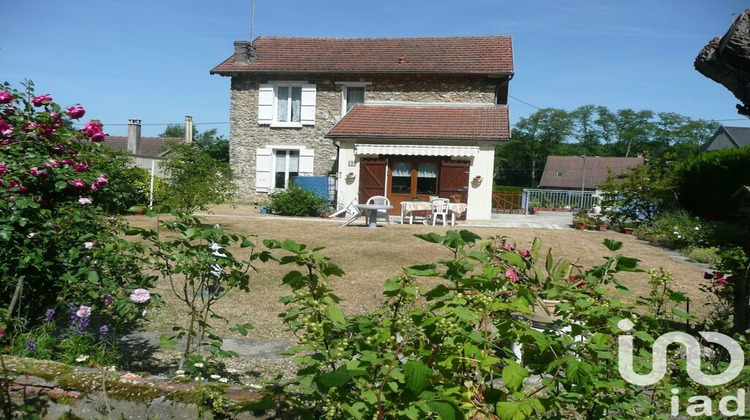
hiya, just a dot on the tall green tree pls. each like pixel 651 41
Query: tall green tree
pixel 585 130
pixel 537 136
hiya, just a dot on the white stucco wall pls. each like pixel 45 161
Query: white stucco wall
pixel 479 200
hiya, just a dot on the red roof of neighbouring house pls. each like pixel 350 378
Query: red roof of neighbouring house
pixel 424 122
pixel 491 55
pixel 149 146
pixel 566 172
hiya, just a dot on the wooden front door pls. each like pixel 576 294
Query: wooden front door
pixel 372 178
pixel 454 178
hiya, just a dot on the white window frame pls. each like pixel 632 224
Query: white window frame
pixel 265 165
pixel 345 86
pixel 268 103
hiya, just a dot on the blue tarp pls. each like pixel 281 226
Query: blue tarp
pixel 316 184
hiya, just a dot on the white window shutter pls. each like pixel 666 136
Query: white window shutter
pixel 306 161
pixel 307 115
pixel 263 166
pixel 265 104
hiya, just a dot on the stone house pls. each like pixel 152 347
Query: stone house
pixel 408 118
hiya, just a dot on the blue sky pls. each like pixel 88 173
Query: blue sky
pixel 150 60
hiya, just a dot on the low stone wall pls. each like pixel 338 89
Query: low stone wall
pixel 57 390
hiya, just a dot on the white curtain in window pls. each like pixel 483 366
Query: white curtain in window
pixel 296 103
pixel 283 103
pixel 427 170
pixel 293 161
pixel 402 169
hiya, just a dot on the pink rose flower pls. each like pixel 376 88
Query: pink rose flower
pixel 509 247
pixel 83 312
pixel 525 253
pixel 140 296
pixel 81 167
pixel 84 201
pixel 41 100
pixel 5 128
pixel 99 183
pixel 511 275
pixel 51 163
pixel 5 97
pixel 94 131
pixel 35 172
pixel 107 300
pixel 76 112
pixel 78 184
pixel 3 169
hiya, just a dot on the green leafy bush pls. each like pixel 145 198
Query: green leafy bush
pixel 708 255
pixel 676 230
pixel 706 183
pixel 451 351
pixel 195 179
pixel 297 201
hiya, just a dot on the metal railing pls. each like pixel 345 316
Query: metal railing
pixel 574 200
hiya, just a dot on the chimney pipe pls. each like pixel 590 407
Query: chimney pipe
pixel 188 129
pixel 134 136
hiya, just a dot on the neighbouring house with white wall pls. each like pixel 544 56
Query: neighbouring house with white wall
pixel 407 118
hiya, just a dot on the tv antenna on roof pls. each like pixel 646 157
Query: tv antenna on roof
pixel 252 19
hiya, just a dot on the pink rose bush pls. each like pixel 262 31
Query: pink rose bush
pixel 54 234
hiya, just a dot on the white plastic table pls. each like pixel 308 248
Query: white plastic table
pixel 407 207
pixel 372 212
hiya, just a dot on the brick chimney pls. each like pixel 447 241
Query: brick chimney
pixel 134 136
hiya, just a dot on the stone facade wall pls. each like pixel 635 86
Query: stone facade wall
pixel 246 135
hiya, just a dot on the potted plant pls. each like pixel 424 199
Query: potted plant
pixel 477 181
pixel 350 176
pixel 581 220
pixel 599 221
pixel 455 198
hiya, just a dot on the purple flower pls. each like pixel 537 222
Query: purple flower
pixel 49 315
pixel 107 300
pixel 3 169
pixel 41 100
pixel 30 345
pixel 5 97
pixel 76 112
pixel 140 296
pixel 103 330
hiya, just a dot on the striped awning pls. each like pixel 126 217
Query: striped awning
pixel 415 150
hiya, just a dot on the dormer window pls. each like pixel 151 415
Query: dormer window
pixel 352 94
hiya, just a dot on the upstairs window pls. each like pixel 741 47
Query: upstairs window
pixel 352 94
pixel 286 104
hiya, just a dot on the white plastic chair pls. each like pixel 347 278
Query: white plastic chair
pixel 379 199
pixel 350 209
pixel 439 209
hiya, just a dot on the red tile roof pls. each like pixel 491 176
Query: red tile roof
pixel 424 122
pixel 150 146
pixel 454 55
pixel 570 170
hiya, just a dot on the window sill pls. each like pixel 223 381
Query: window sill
pixel 286 125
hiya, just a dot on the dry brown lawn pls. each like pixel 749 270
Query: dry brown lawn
pixel 370 256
